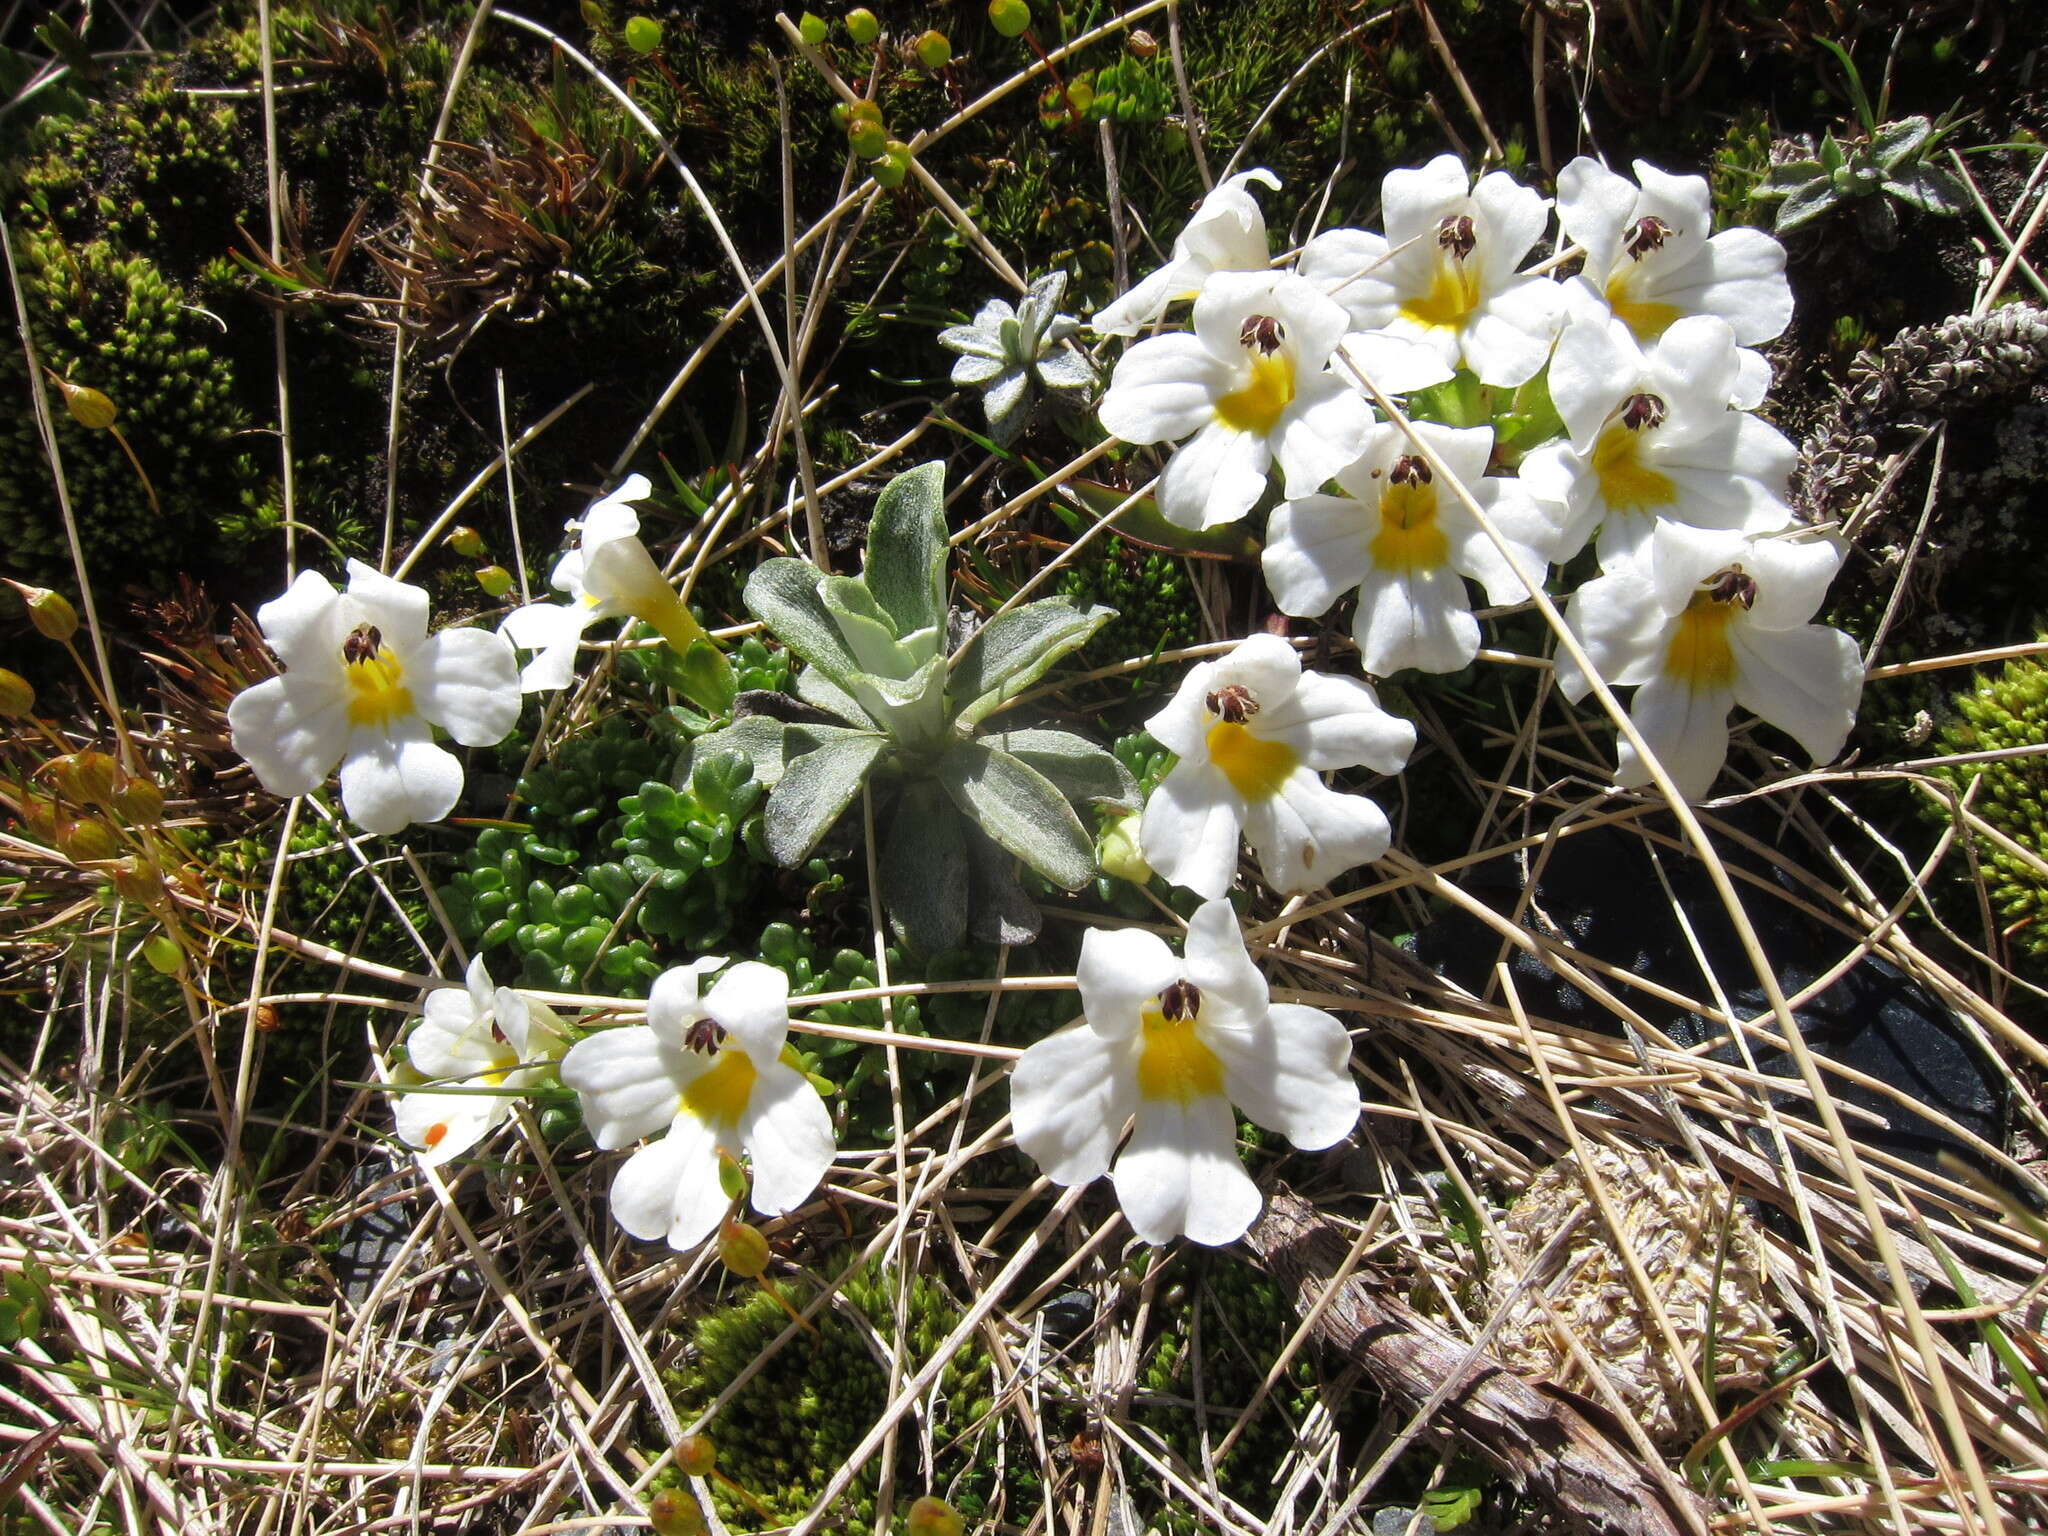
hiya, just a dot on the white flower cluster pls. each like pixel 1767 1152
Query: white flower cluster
pixel 1643 354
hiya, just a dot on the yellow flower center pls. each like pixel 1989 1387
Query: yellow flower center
pixel 718 1096
pixel 1173 1064
pixel 1255 766
pixel 1646 318
pixel 1257 406
pixel 1453 295
pixel 1698 655
pixel 1627 484
pixel 1409 538
pixel 377 694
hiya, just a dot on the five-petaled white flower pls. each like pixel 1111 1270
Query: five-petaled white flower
pixel 1252 384
pixel 1254 733
pixel 1710 621
pixel 1406 542
pixel 1444 274
pixel 364 685
pixel 1226 234
pixel 608 575
pixel 1176 1043
pixel 1650 261
pixel 1652 440
pixel 709 1071
pixel 491 1043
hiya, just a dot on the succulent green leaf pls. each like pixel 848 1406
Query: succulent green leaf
pixel 924 870
pixel 1013 650
pixel 783 594
pixel 906 559
pixel 1930 188
pixel 1022 810
pixel 707 678
pixel 1082 771
pixel 756 738
pixel 814 789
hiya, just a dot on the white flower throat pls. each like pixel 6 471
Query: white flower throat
pixel 1408 537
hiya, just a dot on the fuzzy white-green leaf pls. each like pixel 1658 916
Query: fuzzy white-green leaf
pixel 1013 650
pixel 815 788
pixel 783 594
pixel 1022 810
pixel 1083 772
pixel 906 558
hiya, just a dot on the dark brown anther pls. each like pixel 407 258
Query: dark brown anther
pixel 362 644
pixel 1734 585
pixel 498 1034
pixel 1262 332
pixel 1456 235
pixel 1179 1002
pixel 704 1035
pixel 1410 469
pixel 1234 703
pixel 1640 411
pixel 1646 235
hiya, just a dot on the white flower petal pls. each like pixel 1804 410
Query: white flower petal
pixel 1148 300
pixel 1623 627
pixel 1412 201
pixel 672 1002
pixel 390 782
pixel 292 730
pixel 1221 967
pixel 1339 262
pixel 787 1133
pixel 1336 722
pixel 669 1188
pixel 1740 277
pixel 1228 231
pixel 1214 478
pixel 1070 1095
pixel 467 681
pixel 553 631
pixel 1688 730
pixel 1183 724
pixel 1289 1070
pixel 1265 664
pixel 1804 681
pixel 751 1003
pixel 1593 208
pixel 1320 433
pixel 1515 219
pixel 1309 834
pixel 1752 379
pixel 1121 970
pixel 441 1126
pixel 1163 389
pixel 397 608
pixel 628 1083
pixel 1418 617
pixel 1190 829
pixel 1181 1175
pixel 614 517
pixel 1792 578
pixel 1316 550
pixel 1509 336
pixel 307 625
pixel 1396 365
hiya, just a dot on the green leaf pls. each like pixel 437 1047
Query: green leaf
pixel 707 678
pixel 1082 771
pixel 869 632
pixel 1896 141
pixel 911 709
pixel 924 870
pixel 815 788
pixel 1805 204
pixel 783 594
pixel 820 692
pixel 1832 159
pixel 757 738
pixel 906 558
pixel 999 910
pixel 1143 523
pixel 1013 650
pixel 1930 188
pixel 1022 810
pixel 1799 1466
pixel 1452 1507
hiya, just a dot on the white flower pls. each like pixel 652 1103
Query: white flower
pixel 608 575
pixel 1444 272
pixel 1252 384
pixel 1176 1043
pixel 1226 234
pixel 1406 543
pixel 1710 621
pixel 1253 733
pixel 489 1041
pixel 364 685
pixel 1650 261
pixel 1652 440
pixel 710 1072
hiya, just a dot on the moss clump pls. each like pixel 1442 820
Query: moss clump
pixel 2006 710
pixel 1152 596
pixel 785 1433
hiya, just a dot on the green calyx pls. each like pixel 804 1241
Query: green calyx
pixel 897 706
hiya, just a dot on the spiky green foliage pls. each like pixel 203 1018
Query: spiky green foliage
pixel 1152 596
pixel 2006 710
pixel 785 1433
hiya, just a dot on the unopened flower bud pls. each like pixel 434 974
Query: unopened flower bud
pixel 812 29
pixel 931 1516
pixel 1117 851
pixel 1141 44
pixel 494 579
pixel 1012 18
pixel 465 541
pixel 861 26
pixel 139 802
pixel 934 50
pixel 17 698
pixel 85 777
pixel 163 954
pixel 88 407
pixel 88 840
pixel 742 1249
pixel 50 612
pixel 696 1455
pixel 672 1512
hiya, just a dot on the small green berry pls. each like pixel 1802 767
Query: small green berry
pixel 88 841
pixel 931 1516
pixel 1012 18
pixel 465 541
pixel 742 1249
pixel 87 778
pixel 861 26
pixel 862 111
pixel 88 407
pixel 643 34
pixel 50 612
pixel 933 50
pixel 163 954
pixel 812 29
pixel 139 802
pixel 696 1455
pixel 495 580
pixel 867 139
pixel 893 165
pixel 672 1512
